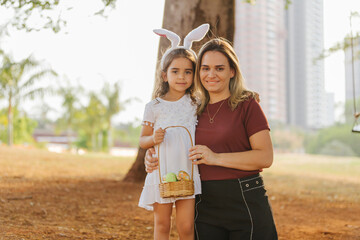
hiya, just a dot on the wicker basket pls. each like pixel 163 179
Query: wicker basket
pixel 181 188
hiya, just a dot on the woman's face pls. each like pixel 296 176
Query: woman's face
pixel 215 73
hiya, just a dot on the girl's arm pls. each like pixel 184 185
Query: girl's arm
pixel 260 156
pixel 149 137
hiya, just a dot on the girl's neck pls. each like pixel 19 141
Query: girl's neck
pixel 173 95
pixel 215 97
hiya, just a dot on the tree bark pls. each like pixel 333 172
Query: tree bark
pixel 137 172
pixel 181 17
pixel 10 123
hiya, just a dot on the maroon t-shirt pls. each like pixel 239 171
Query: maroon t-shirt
pixel 230 132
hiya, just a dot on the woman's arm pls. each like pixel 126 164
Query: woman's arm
pixel 261 155
pixel 149 137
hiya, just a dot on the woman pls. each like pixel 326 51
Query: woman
pixel 233 144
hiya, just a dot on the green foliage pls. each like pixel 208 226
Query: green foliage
pixel 337 148
pixel 349 110
pixel 286 138
pixel 343 45
pixel 128 133
pixel 91 122
pixel 328 137
pixel 48 13
pixel 253 2
pixel 23 127
pixel 17 83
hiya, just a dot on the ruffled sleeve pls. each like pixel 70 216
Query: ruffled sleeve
pixel 149 117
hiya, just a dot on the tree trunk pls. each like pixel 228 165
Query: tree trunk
pixel 109 136
pixel 181 17
pixel 137 172
pixel 10 123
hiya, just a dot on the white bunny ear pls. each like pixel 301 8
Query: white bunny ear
pixel 196 35
pixel 173 37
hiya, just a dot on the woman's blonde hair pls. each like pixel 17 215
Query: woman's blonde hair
pixel 238 92
pixel 162 87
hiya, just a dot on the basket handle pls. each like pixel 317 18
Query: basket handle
pixel 192 144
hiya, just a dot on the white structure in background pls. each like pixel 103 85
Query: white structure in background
pixel 60 144
pixel 348 71
pixel 54 143
pixel 123 151
pixel 308 103
pixel 259 43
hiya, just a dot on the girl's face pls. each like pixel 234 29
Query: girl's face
pixel 215 73
pixel 179 75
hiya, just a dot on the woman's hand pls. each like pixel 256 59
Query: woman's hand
pixel 151 163
pixel 200 154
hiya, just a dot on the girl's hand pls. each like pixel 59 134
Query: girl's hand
pixel 150 162
pixel 200 154
pixel 158 136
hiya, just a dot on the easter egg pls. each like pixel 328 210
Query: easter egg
pixel 170 177
pixel 182 175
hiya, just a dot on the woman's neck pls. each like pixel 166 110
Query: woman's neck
pixel 214 97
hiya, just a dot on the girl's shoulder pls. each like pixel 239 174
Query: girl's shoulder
pixel 153 102
pixel 193 100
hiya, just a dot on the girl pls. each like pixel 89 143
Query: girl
pixel 174 105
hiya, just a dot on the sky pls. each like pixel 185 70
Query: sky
pixel 122 48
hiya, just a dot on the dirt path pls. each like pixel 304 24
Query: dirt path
pixel 91 208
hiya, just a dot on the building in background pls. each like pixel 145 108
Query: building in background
pixel 308 104
pixel 349 88
pixel 260 45
pixel 277 49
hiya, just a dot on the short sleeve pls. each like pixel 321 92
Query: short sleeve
pixel 255 119
pixel 149 117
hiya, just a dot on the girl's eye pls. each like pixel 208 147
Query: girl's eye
pixel 204 69
pixel 220 69
pixel 188 72
pixel 174 71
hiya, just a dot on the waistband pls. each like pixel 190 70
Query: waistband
pixel 247 183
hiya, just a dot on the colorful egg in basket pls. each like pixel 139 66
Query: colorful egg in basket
pixel 183 176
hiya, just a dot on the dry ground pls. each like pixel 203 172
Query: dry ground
pixel 62 196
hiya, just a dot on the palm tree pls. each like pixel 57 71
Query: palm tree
pixel 70 97
pixel 181 17
pixel 94 123
pixel 17 83
pixel 113 106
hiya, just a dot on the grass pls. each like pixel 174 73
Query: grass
pixel 317 166
pixel 300 174
pixel 306 176
pixel 41 164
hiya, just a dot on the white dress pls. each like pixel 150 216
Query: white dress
pixel 174 150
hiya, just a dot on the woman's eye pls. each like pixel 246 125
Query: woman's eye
pixel 188 72
pixel 174 71
pixel 220 69
pixel 205 69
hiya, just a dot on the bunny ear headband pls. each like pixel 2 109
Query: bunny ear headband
pixel 195 35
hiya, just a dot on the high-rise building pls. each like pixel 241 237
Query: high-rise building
pixel 260 45
pixel 307 102
pixel 350 80
pixel 277 49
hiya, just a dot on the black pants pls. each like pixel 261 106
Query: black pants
pixel 234 209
